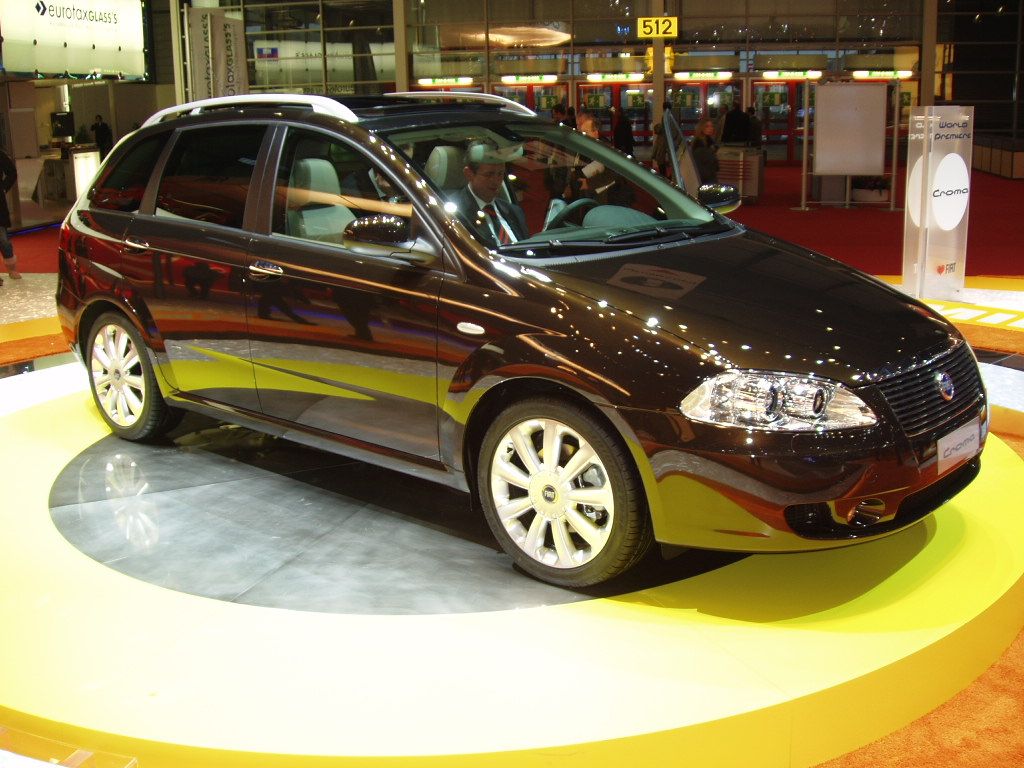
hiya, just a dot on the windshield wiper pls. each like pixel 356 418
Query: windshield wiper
pixel 553 246
pixel 667 232
pixel 656 233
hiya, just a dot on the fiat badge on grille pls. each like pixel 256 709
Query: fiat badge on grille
pixel 945 384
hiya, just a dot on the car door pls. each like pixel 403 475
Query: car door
pixel 186 259
pixel 342 304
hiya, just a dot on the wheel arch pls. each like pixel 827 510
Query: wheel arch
pixel 514 390
pixel 105 304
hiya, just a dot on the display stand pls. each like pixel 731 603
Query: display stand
pixel 939 148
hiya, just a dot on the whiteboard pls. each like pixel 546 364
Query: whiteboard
pixel 849 129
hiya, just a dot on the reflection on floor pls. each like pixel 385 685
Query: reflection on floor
pixel 30 298
pixel 230 514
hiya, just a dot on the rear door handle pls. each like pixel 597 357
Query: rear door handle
pixel 262 270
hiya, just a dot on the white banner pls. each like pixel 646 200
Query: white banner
pixel 939 149
pixel 80 37
pixel 216 54
pixel 849 129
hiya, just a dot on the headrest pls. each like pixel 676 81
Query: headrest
pixel 316 174
pixel 444 167
pixel 484 152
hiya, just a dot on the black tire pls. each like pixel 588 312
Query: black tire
pixel 122 381
pixel 575 521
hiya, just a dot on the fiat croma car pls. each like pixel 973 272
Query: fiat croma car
pixel 460 290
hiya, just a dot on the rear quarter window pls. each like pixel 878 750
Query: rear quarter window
pixel 208 174
pixel 123 185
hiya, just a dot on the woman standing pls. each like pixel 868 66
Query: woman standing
pixel 705 151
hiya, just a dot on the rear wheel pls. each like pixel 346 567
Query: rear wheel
pixel 560 495
pixel 122 381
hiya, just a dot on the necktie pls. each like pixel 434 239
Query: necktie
pixel 492 214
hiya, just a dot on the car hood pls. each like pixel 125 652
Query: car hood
pixel 757 302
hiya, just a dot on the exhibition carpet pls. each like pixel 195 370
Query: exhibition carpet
pixel 870 236
pixel 36 249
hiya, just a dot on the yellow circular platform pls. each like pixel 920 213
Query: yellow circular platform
pixel 774 660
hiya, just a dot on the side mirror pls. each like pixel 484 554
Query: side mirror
pixel 382 229
pixel 391 234
pixel 722 198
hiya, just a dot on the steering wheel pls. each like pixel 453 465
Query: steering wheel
pixel 576 205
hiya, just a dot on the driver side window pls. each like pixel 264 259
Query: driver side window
pixel 325 188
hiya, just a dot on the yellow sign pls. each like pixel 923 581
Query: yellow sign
pixel 657 26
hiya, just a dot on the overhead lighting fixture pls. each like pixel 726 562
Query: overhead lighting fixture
pixel 792 74
pixel 519 79
pixel 616 77
pixel 882 74
pixel 523 36
pixel 435 81
pixel 701 76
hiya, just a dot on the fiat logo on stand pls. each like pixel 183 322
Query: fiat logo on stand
pixel 945 384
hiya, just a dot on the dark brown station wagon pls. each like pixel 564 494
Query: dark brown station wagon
pixel 468 293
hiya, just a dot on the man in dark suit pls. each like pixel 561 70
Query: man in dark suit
pixel 495 220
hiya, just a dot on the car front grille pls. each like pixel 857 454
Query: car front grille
pixel 914 394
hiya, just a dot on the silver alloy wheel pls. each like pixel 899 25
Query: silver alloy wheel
pixel 551 493
pixel 117 375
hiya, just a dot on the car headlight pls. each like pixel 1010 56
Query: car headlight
pixel 776 401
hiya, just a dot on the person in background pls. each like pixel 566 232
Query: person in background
pixel 558 114
pixel 668 108
pixel 8 178
pixel 587 124
pixel 660 160
pixel 736 127
pixel 705 151
pixel 754 128
pixel 570 117
pixel 103 135
pixel 622 135
pixel 592 179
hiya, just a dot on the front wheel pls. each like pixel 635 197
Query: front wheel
pixel 122 381
pixel 560 495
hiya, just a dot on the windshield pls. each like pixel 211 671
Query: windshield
pixel 536 189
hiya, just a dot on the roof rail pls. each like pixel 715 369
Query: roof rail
pixel 488 98
pixel 320 104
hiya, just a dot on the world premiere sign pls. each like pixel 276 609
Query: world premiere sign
pixel 939 149
pixel 52 37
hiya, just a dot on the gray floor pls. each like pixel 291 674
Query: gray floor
pixel 233 515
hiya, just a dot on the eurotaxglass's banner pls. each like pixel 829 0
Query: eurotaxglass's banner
pixel 217 54
pixel 939 149
pixel 79 37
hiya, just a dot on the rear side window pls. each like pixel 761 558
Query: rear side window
pixel 208 174
pixel 123 185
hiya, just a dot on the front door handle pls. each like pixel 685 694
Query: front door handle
pixel 136 245
pixel 263 270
